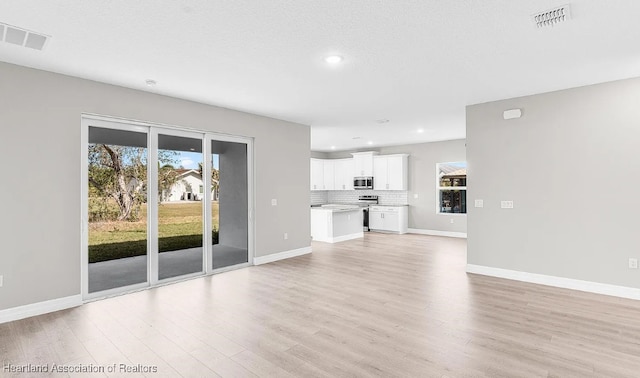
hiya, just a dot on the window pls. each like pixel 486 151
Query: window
pixel 452 188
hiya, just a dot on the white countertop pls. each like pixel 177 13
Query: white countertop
pixel 337 208
pixel 349 207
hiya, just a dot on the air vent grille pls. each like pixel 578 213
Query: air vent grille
pixel 22 37
pixel 552 17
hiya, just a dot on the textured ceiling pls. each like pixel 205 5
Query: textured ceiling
pixel 416 63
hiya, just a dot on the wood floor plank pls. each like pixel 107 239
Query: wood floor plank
pixel 384 305
pixel 260 366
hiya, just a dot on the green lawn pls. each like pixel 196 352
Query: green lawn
pixel 179 226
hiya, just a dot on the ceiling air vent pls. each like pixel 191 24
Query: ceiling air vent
pixel 552 17
pixel 22 37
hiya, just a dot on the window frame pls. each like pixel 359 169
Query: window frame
pixel 440 188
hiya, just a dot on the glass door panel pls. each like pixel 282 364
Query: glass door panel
pixel 117 208
pixel 180 209
pixel 229 204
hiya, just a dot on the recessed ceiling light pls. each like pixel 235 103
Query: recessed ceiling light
pixel 333 59
pixel 369 142
pixel 151 83
pixel 420 131
pixel 384 120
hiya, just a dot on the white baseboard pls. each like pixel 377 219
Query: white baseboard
pixel 281 255
pixel 39 308
pixel 438 233
pixel 562 282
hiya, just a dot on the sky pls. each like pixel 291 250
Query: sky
pixel 190 160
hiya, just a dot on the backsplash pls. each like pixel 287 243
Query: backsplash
pixel 319 197
pixel 396 197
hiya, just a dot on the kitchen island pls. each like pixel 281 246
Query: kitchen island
pixel 336 223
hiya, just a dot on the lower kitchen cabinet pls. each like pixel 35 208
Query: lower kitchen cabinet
pixel 332 226
pixel 389 218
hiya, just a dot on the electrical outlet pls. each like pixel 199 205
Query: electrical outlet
pixel 274 202
pixel 1 281
pixel 506 204
pixel 451 220
pixel 286 236
pixel 415 195
pixel 633 263
pixel 479 203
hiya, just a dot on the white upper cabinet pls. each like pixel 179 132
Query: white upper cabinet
pixel 390 172
pixel 363 163
pixel 317 174
pixel 329 175
pixel 380 173
pixel 397 172
pixel 343 169
pixel 323 174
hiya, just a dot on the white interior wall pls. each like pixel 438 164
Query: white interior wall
pixel 570 165
pixel 40 140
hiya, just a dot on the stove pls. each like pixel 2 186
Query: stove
pixel 364 202
pixel 367 200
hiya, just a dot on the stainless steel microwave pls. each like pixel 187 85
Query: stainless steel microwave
pixel 363 182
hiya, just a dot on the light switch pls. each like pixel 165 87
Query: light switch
pixel 479 203
pixel 415 195
pixel 274 202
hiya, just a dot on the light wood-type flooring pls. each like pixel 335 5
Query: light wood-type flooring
pixel 385 305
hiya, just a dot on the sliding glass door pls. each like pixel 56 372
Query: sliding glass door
pixel 180 208
pixel 161 204
pixel 229 204
pixel 116 176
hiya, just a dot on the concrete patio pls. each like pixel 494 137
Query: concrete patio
pixel 133 270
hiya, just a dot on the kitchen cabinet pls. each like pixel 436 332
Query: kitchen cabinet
pixel 343 174
pixel 363 163
pixel 331 174
pixel 336 225
pixel 328 175
pixel 389 218
pixel 390 172
pixel 317 174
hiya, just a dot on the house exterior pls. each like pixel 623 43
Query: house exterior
pixel 189 186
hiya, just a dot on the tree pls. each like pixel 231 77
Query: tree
pixel 120 173
pixel 215 178
pixel 167 176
